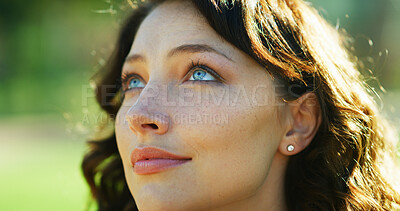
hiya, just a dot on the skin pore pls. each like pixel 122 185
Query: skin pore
pixel 179 68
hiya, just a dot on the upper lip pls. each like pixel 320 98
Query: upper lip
pixel 145 153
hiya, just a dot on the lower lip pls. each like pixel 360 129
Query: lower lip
pixel 153 166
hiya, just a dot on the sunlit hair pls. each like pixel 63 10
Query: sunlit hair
pixel 345 166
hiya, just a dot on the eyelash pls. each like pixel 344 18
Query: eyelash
pixel 126 77
pixel 205 67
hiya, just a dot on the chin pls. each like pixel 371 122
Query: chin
pixel 160 202
pixel 161 197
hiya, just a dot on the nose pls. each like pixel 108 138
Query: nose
pixel 146 116
pixel 143 122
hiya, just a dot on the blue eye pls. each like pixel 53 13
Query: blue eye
pixel 135 83
pixel 201 75
pixel 131 81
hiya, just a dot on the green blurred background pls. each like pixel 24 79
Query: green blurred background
pixel 49 49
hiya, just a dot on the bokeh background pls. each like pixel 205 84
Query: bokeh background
pixel 49 49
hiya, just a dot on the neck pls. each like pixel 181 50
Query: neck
pixel 270 195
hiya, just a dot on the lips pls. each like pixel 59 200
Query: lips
pixel 150 160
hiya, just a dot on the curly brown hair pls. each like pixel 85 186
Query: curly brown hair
pixel 343 166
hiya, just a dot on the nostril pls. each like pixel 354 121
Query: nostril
pixel 153 126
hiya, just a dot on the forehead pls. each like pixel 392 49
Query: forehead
pixel 175 23
pixel 174 14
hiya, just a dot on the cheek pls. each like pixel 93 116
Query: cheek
pixel 125 142
pixel 123 135
pixel 234 151
pixel 237 122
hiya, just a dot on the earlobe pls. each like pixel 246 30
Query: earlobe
pixel 304 120
pixel 288 145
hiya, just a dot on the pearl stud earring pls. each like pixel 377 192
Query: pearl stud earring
pixel 290 148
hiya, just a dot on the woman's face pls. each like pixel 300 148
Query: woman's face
pixel 192 94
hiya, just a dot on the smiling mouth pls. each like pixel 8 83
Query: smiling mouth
pixel 150 160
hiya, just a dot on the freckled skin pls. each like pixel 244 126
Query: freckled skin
pixel 235 163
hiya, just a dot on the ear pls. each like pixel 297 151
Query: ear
pixel 303 122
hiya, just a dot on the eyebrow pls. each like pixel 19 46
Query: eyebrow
pixel 186 48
